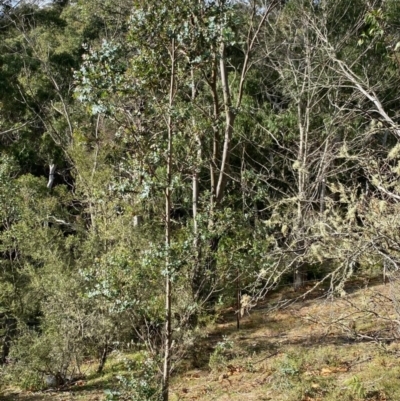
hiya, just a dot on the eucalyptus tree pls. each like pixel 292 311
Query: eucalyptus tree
pixel 168 89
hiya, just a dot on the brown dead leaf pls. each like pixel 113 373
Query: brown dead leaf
pixel 326 372
pixel 336 369
pixel 341 369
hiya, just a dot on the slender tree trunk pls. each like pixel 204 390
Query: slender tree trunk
pixel 385 138
pixel 299 273
pixel 303 115
pixel 322 176
pixel 202 282
pixel 221 152
pixel 222 161
pixel 229 121
pixel 238 299
pixel 195 202
pixel 103 357
pixel 322 196
pixel 168 207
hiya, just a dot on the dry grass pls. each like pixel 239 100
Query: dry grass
pixel 316 349
pixel 332 349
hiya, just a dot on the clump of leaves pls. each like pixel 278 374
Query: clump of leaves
pixel 34 356
pixel 288 371
pixel 356 387
pixel 223 352
pixel 141 383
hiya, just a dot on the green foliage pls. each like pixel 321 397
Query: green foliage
pixel 221 355
pixel 100 76
pixel 290 366
pixel 288 372
pixel 373 21
pixel 141 383
pixel 356 387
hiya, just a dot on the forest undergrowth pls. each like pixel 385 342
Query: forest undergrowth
pixel 343 348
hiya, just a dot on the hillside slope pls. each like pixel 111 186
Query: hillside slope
pixel 316 349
